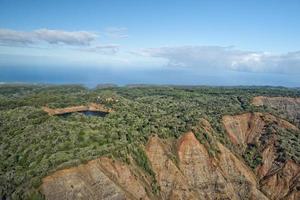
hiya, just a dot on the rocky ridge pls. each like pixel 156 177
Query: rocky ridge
pixel 193 174
pixel 288 107
pixel 185 168
pixel 256 136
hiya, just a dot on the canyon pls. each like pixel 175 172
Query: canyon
pixel 184 168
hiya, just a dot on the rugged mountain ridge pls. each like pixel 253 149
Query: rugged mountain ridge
pixel 258 136
pixel 194 174
pixel 287 107
pixel 185 168
pixel 102 178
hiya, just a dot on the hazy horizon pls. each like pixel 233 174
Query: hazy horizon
pixel 159 42
pixel 93 77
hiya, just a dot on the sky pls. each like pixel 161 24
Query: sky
pixel 199 42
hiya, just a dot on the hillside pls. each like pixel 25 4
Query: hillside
pixel 159 143
pixel 287 107
pixel 271 147
pixel 196 175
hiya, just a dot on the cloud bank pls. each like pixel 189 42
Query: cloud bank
pixel 226 58
pixel 65 37
pixel 213 58
pixel 82 40
pixel 74 38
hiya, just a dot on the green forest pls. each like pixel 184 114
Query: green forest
pixel 34 144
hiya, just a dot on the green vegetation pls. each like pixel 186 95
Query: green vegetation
pixel 207 140
pixel 287 144
pixel 33 144
pixel 142 161
pixel 252 156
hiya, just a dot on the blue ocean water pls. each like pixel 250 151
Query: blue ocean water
pixel 92 76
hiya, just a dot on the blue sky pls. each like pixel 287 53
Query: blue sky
pixel 207 38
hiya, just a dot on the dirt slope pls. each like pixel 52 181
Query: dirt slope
pixel 287 106
pixel 102 178
pixel 215 178
pixel 82 182
pixel 260 133
pixel 247 128
pixel 89 107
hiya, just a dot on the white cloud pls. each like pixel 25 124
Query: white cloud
pixel 227 58
pixel 12 37
pixel 65 37
pixel 81 40
pixel 74 38
pixel 116 32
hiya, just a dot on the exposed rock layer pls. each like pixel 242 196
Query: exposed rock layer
pixel 83 182
pixel 183 170
pixel 287 106
pixel 90 107
pixel 102 178
pixel 279 178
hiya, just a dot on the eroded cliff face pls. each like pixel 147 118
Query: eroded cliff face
pixel 173 184
pixel 90 107
pixel 278 175
pixel 215 177
pixel 248 127
pixel 83 182
pixel 287 106
pixel 102 178
pixel 184 169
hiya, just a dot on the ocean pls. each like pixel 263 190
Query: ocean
pixel 92 76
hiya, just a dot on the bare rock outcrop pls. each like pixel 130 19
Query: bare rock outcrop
pixel 195 174
pixel 172 182
pixel 102 178
pixel 215 177
pixel 288 107
pixel 83 182
pixel 90 107
pixel 278 176
pixel 125 177
pixel 248 127
pixel 184 168
pixel 283 183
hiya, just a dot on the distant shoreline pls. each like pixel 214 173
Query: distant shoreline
pixel 110 85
